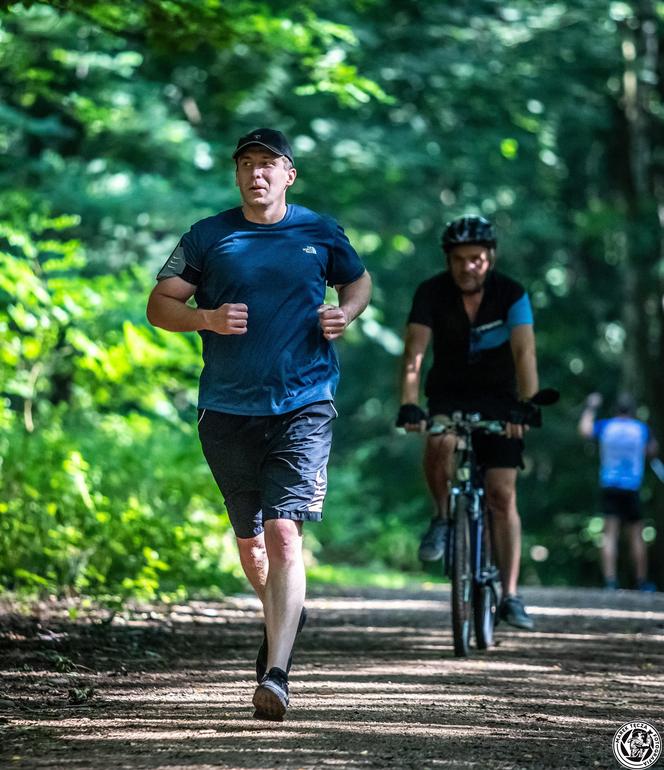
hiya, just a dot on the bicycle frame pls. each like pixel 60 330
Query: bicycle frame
pixel 469 482
pixel 481 574
pixel 469 550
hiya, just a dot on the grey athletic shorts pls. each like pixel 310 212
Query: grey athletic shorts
pixel 272 467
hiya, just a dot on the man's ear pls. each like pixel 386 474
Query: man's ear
pixel 292 174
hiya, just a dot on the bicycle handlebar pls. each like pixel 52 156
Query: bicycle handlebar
pixel 464 422
pixel 527 412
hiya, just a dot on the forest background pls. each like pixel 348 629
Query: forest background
pixel 117 123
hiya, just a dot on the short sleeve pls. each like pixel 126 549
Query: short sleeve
pixel 598 428
pixel 421 310
pixel 344 265
pixel 186 260
pixel 520 312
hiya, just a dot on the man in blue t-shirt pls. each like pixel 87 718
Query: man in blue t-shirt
pixel 624 444
pixel 481 326
pixel 258 274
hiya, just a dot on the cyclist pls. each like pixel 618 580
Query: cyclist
pixel 481 325
pixel 624 443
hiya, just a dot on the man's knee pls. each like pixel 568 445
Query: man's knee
pixel 251 548
pixel 500 486
pixel 439 448
pixel 438 455
pixel 283 541
pixel 501 499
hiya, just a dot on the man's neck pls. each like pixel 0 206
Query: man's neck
pixel 265 216
pixel 471 303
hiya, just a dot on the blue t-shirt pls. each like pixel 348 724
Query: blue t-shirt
pixel 622 449
pixel 279 271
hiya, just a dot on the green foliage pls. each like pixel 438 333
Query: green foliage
pixel 117 122
pixel 103 487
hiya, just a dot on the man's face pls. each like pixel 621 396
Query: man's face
pixel 469 263
pixel 263 177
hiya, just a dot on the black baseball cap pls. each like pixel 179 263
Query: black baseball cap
pixel 274 140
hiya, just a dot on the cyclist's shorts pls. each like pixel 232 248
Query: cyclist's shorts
pixel 498 451
pixel 623 503
pixel 272 467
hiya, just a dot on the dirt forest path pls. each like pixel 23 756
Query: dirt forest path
pixel 374 685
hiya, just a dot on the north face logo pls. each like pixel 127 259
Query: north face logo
pixel 310 250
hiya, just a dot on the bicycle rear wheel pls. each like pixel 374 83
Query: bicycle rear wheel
pixel 461 575
pixel 484 595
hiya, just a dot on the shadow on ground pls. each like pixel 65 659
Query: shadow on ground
pixel 374 685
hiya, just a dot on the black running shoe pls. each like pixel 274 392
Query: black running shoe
pixel 512 611
pixel 271 696
pixel 261 658
pixel 434 540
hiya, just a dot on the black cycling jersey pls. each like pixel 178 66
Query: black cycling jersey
pixel 471 362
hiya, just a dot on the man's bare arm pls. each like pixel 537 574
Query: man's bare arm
pixel 168 309
pixel 353 299
pixel 586 425
pixel 522 341
pixel 417 341
pixel 411 416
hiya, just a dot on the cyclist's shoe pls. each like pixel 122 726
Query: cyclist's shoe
pixel 261 658
pixel 512 611
pixel 646 586
pixel 432 546
pixel 271 696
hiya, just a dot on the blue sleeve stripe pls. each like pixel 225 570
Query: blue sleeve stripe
pixel 520 312
pixel 493 338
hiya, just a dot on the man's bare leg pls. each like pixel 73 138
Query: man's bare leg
pixel 284 589
pixel 253 558
pixel 500 484
pixel 638 552
pixel 438 469
pixel 282 602
pixel 438 461
pixel 610 550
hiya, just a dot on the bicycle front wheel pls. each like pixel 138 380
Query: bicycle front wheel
pixel 484 594
pixel 461 575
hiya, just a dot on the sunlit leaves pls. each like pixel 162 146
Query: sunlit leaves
pixel 509 148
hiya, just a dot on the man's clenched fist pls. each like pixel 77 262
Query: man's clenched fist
pixel 333 321
pixel 230 318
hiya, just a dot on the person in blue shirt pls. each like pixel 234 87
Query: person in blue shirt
pixel 258 274
pixel 480 324
pixel 624 444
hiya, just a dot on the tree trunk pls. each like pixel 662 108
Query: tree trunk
pixel 643 312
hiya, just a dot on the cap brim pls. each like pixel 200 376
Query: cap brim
pixel 262 144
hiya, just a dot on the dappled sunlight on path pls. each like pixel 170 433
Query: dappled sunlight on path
pixel 374 685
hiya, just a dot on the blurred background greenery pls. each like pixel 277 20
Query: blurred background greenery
pixel 117 122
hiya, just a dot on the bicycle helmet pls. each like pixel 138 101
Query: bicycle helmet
pixel 471 229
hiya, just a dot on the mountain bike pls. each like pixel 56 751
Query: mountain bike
pixel 469 562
